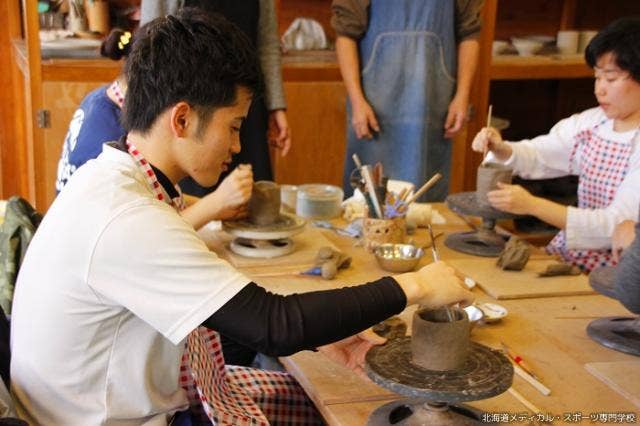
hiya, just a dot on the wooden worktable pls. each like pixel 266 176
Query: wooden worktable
pixel 548 332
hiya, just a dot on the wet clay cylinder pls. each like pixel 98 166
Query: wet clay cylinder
pixel 437 343
pixel 264 204
pixel 488 176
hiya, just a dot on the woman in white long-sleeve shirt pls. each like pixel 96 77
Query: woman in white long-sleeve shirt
pixel 600 145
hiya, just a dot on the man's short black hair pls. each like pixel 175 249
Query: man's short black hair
pixel 622 39
pixel 195 57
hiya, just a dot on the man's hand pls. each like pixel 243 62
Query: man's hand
pixel 279 133
pixel 231 197
pixel 363 119
pixel 456 116
pixel 623 235
pixel 511 198
pixel 434 286
pixel 351 351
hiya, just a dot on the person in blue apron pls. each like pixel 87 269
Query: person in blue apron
pixel 256 18
pixel 407 67
pixel 600 145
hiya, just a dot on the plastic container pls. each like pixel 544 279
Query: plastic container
pixel 319 201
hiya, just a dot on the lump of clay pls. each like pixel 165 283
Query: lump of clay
pixel 515 255
pixel 560 269
pixel 330 260
pixel 264 205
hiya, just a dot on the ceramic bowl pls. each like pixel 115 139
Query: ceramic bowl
pixel 398 257
pixel 499 46
pixel 526 47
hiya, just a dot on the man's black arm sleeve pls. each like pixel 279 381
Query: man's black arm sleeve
pixel 281 325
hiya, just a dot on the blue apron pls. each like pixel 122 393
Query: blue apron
pixel 407 60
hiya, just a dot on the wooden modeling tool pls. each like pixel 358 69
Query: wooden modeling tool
pixel 436 258
pixel 486 148
pixel 424 188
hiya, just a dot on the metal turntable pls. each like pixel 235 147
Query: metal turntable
pixel 484 241
pixel 617 333
pixel 264 241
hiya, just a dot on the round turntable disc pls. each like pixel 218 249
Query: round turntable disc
pixel 286 226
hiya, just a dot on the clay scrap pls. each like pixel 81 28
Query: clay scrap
pixel 515 255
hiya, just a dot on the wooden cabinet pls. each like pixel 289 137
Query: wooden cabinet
pixel 315 93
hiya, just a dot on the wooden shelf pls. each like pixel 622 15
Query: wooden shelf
pixel 513 67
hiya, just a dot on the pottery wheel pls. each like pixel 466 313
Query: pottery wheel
pixel 465 203
pixel 486 373
pixel 484 241
pixel 601 280
pixel 618 333
pixel 262 249
pixel 286 226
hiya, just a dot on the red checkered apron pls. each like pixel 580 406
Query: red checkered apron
pixel 231 395
pixel 603 166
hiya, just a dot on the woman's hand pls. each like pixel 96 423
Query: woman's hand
pixel 363 119
pixel 511 198
pixel 351 351
pixel 489 139
pixel 279 133
pixel 623 235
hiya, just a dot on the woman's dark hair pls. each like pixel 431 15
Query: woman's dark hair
pixel 117 44
pixel 193 57
pixel 622 39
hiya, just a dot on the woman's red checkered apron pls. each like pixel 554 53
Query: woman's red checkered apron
pixel 231 395
pixel 603 166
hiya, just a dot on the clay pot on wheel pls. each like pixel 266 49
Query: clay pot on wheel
pixel 488 176
pixel 264 205
pixel 437 343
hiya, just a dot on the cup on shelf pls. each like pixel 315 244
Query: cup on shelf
pixel 585 39
pixel 498 47
pixel 567 42
pixel 526 46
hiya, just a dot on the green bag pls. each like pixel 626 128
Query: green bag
pixel 20 223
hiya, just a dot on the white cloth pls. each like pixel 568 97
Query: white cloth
pixel 111 285
pixel 548 156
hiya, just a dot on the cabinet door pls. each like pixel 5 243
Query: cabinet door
pixel 317 119
pixel 61 99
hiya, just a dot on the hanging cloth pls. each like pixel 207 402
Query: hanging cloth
pixel 408 60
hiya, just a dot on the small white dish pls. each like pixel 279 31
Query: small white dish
pixel 469 282
pixel 492 311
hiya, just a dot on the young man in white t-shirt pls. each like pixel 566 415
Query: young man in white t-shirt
pixel 100 319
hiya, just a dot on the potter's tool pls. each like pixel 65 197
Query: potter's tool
pixel 369 185
pixel 486 147
pixel 524 401
pixel 531 380
pixel 436 258
pixel 518 360
pixel 424 188
pixel 484 241
pixel 617 333
pixel 264 241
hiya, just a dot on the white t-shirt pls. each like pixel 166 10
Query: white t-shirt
pixel 549 156
pixel 112 283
